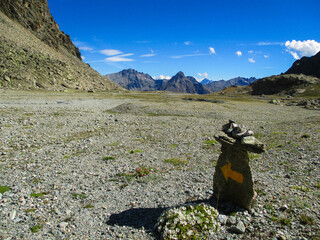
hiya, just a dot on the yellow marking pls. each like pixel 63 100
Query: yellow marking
pixel 229 173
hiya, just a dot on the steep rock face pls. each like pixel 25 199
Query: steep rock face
pixel 26 62
pixel 222 84
pixel 132 80
pixel 35 16
pixel 181 83
pixel 306 65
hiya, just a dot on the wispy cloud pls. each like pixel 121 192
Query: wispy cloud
pixel 187 43
pixel 86 48
pixel 212 50
pixel 266 56
pixel 269 43
pixel 120 58
pixel 110 52
pixel 251 60
pixel 302 48
pixel 239 53
pixel 152 54
pixel 203 75
pixel 189 55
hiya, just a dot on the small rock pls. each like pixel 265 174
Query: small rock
pixel 63 224
pixel 13 215
pixel 239 228
pixel 232 220
pixel 7 78
pixel 223 219
pixel 284 208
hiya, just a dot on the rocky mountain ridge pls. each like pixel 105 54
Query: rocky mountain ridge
pixel 28 62
pixel 133 80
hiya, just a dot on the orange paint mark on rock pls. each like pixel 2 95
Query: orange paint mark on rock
pixel 229 173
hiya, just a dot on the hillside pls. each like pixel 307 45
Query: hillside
pixel 35 54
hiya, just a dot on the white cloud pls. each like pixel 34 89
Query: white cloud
pixel 266 56
pixel 251 60
pixel 163 77
pixel 239 53
pixel 250 51
pixel 120 58
pixel 187 43
pixel 110 52
pixel 304 48
pixel 83 58
pixel 203 75
pixel 148 55
pixel 211 50
pixel 85 48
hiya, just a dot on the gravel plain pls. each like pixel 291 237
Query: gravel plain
pixel 106 165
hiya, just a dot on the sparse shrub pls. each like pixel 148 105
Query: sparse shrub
pixel 142 171
pixel 36 228
pixel 108 158
pixel 79 196
pixel 210 142
pixel 36 195
pixel 305 219
pixel 305 136
pixel 188 222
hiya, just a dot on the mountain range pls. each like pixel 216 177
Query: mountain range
pixel 133 80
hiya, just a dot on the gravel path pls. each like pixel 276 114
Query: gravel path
pixel 74 164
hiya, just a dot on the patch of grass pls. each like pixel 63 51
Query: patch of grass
pixel 176 161
pixel 253 156
pixel 114 144
pixel 305 219
pixel 108 158
pixel 261 192
pixel 135 151
pixel 66 157
pixel 282 221
pixel 137 139
pixel 210 142
pixel 305 136
pixel 89 206
pixel 79 196
pixel 30 210
pixel 36 195
pixel 318 185
pixel 36 228
pixel 173 145
pixel 301 188
pixel 4 189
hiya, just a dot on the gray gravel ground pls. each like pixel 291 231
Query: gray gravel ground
pixel 71 161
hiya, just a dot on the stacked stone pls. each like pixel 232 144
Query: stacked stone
pixel 233 179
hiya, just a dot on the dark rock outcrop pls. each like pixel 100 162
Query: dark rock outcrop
pixel 35 16
pixel 307 65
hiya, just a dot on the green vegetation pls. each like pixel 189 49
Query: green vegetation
pixel 305 136
pixel 138 173
pixel 89 206
pixel 135 151
pixel 30 210
pixel 305 219
pixel 108 158
pixel 36 228
pixel 300 188
pixel 210 142
pixel 188 222
pixel 281 220
pixel 4 189
pixel 173 145
pixel 79 196
pixel 176 161
pixel 36 195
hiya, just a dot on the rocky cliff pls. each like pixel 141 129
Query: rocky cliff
pixel 35 16
pixel 307 65
pixel 216 86
pixel 35 54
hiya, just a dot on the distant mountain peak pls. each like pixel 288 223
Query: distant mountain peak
pixel 179 75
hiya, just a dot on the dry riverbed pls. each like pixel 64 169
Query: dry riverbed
pixel 106 165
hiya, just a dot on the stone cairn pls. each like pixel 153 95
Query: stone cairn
pixel 233 179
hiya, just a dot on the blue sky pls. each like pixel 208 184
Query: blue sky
pixel 202 38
